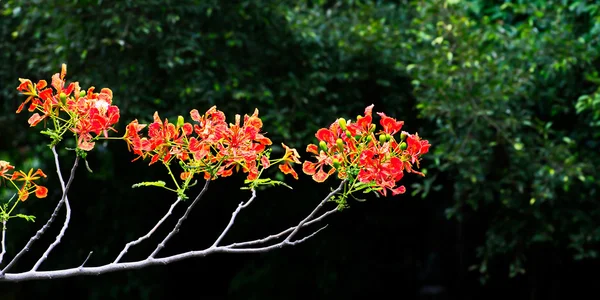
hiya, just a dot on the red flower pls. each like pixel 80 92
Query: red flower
pixel 390 125
pixel 316 169
pixel 385 171
pixel 363 123
pixel 356 152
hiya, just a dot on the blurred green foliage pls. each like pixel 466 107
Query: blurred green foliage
pixel 506 91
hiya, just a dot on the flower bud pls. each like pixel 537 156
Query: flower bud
pixel 180 121
pixel 357 137
pixel 382 138
pixel 342 123
pixel 348 134
pixel 369 139
pixel 388 137
pixel 403 135
pixel 323 145
pixel 336 163
pixel 403 146
pixel 340 144
pixel 82 94
pixel 63 97
pixel 372 128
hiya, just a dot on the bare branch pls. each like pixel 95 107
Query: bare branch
pixel 67 206
pixel 150 261
pixel 40 232
pixel 233 215
pixel 3 241
pixel 139 240
pixel 272 247
pixel 113 267
pixel 179 222
pixel 281 234
pixel 314 212
pixel 79 271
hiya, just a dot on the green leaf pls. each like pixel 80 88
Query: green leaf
pixel 26 217
pixel 159 183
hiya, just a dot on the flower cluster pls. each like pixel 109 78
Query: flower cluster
pixel 209 146
pixel 365 157
pixel 28 179
pixel 69 108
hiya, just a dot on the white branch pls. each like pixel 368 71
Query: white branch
pixel 232 220
pixel 179 222
pixel 151 260
pixel 281 234
pixel 305 222
pixel 67 216
pixel 40 232
pixel 273 247
pixel 3 241
pixel 112 267
pixel 139 240
pixel 314 212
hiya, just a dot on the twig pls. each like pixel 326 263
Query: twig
pixel 40 232
pixel 233 215
pixel 139 240
pixel 86 259
pixel 67 206
pixel 179 222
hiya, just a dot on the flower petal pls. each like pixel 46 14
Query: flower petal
pixel 41 191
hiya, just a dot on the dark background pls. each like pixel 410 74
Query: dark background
pixel 506 91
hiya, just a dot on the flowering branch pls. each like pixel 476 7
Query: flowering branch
pixel 364 159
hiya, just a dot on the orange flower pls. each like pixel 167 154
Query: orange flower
pixel 29 186
pixel 290 156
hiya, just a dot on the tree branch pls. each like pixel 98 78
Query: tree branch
pixel 139 240
pixel 3 241
pixel 281 234
pixel 67 206
pixel 314 212
pixel 233 215
pixel 40 232
pixel 151 261
pixel 272 247
pixel 112 267
pixel 179 222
